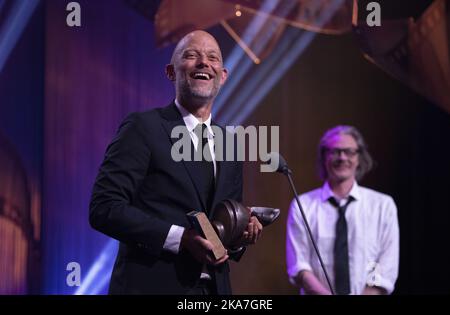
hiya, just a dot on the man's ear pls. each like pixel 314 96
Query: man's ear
pixel 224 76
pixel 170 72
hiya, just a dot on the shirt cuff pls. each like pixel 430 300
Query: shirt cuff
pixel 173 240
pixel 376 279
pixel 295 270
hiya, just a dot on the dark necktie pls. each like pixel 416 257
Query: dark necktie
pixel 206 167
pixel 341 266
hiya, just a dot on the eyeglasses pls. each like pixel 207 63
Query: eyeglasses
pixel 336 152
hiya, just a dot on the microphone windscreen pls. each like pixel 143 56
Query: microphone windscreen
pixel 276 158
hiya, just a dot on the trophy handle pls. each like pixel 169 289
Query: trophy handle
pixel 265 215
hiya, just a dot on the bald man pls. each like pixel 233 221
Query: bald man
pixel 142 195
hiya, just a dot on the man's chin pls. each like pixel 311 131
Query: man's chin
pixel 342 177
pixel 203 96
pixel 199 94
pixel 203 93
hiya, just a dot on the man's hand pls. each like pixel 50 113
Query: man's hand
pixel 252 232
pixel 374 291
pixel 200 248
pixel 312 286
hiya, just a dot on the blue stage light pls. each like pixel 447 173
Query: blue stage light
pixel 11 29
pixel 100 271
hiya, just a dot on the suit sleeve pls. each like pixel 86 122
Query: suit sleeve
pixel 124 168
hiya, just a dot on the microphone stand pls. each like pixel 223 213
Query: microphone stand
pixel 286 171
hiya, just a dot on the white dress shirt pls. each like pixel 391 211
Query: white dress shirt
pixel 373 237
pixel 173 240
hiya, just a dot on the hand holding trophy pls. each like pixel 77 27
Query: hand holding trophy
pixel 228 222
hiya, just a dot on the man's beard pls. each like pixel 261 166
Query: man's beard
pixel 198 95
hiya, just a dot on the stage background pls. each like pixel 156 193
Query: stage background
pixel 94 75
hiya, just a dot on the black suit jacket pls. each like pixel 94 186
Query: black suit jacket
pixel 140 191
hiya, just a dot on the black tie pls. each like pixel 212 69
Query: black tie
pixel 341 267
pixel 206 167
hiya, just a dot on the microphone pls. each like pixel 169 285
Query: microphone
pixel 275 158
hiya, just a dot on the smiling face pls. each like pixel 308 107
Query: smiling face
pixel 341 158
pixel 197 69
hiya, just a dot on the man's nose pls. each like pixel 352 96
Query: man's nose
pixel 202 61
pixel 342 156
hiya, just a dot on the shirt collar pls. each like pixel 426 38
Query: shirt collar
pixel 355 192
pixel 191 121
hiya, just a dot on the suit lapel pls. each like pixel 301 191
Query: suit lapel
pixel 171 119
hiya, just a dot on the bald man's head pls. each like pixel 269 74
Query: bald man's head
pixel 194 36
pixel 197 69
